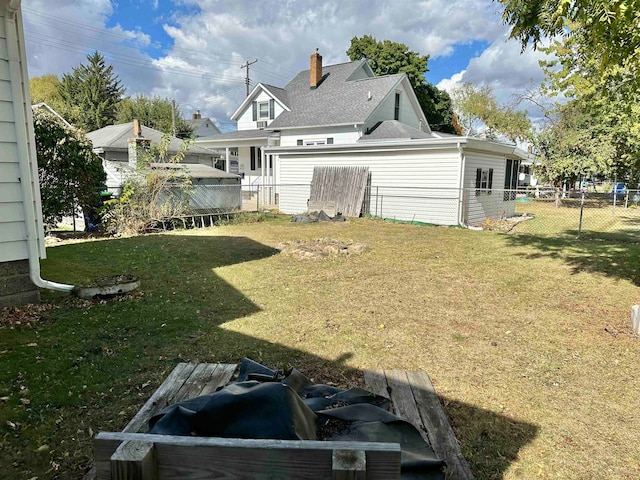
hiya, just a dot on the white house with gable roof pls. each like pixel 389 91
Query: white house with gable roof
pixel 345 115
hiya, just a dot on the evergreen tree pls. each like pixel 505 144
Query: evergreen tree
pixel 92 93
pixel 386 57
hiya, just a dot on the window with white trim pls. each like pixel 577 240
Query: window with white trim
pixel 316 141
pixel 484 181
pixel 263 110
pixel 396 110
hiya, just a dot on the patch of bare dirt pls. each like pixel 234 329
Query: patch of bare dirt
pixel 505 225
pixel 320 248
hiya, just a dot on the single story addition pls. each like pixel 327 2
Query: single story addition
pixel 450 180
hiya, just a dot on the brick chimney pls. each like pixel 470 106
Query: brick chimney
pixel 138 145
pixel 196 116
pixel 316 69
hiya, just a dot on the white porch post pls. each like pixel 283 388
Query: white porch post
pixel 227 160
pixel 263 172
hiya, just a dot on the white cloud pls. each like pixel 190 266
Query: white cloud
pixel 211 39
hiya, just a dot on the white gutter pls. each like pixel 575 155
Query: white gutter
pixel 22 121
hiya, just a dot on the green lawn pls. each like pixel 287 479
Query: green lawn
pixel 526 338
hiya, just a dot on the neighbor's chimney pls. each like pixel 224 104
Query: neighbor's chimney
pixel 137 131
pixel 196 116
pixel 316 69
pixel 138 145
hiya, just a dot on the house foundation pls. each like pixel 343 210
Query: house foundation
pixel 16 287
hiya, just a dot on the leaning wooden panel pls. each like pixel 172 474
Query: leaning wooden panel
pixel 443 439
pixel 200 457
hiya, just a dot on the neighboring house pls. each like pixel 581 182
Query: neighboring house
pixel 21 227
pixel 120 145
pixel 345 115
pixel 202 127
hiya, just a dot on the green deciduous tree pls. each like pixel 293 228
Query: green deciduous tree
pixel 386 57
pixel 92 93
pixel 70 173
pixel 154 112
pixel 478 112
pixel 595 63
pixel 47 89
pixel 608 28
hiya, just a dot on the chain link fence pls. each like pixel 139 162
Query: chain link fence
pixel 533 211
pixel 579 213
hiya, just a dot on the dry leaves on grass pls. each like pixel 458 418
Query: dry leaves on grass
pixel 320 248
pixel 31 315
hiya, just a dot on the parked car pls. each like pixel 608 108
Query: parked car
pixel 618 189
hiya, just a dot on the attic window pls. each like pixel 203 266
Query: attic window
pixel 263 109
pixel 396 112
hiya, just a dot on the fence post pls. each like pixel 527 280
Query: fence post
pixel 581 209
pixel 257 198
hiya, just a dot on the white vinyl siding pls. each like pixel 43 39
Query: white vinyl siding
pixel 394 178
pixel 341 135
pixel 246 122
pixel 484 205
pixel 13 230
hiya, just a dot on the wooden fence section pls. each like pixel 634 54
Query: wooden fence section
pixel 344 186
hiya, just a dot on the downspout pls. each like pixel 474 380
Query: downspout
pixel 21 118
pixel 461 203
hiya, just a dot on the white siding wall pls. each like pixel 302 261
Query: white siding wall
pixel 245 121
pixel 386 110
pixel 482 206
pixel 420 185
pixel 341 135
pixel 13 232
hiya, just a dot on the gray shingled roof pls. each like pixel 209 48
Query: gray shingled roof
pixel 278 92
pixel 116 136
pixel 335 101
pixel 393 130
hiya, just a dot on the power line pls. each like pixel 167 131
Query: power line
pixel 246 80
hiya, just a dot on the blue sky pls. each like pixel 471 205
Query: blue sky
pixel 192 50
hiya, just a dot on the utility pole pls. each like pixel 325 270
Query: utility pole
pixel 246 78
pixel 173 117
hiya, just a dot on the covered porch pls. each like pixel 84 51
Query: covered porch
pixel 245 150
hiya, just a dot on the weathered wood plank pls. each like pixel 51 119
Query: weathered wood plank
pixel 404 401
pixel 160 398
pixel 200 457
pixel 134 461
pixel 343 185
pixel 349 465
pixel 443 439
pixel 376 382
pixel 220 376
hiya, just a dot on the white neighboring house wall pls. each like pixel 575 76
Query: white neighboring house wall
pixel 339 135
pixel 14 130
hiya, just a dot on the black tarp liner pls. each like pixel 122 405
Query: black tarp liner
pixel 262 403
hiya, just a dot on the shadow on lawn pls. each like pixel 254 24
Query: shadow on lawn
pixel 179 319
pixel 615 254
